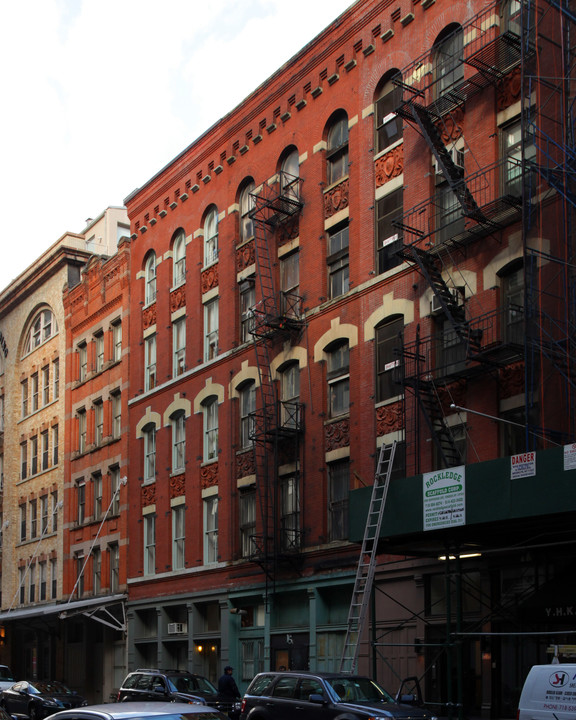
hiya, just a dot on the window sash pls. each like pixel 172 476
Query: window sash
pixel 210 530
pixel 179 444
pixel 179 347
pixel 150 454
pixel 211 431
pixel 149 544
pixel 150 363
pixel 211 330
pixel 178 537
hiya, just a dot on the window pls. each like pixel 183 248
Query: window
pixel 179 259
pixel 55 445
pixel 34 455
pixel 98 422
pixel 338 375
pixel 247 410
pixel 55 511
pixel 116 399
pixel 97 490
pixel 33 519
pixel 53 578
pixel 99 340
pixel 290 396
pixel 178 537
pixel 210 530
pixel 55 379
pixel 45 449
pixel 451 348
pixel 449 215
pixel 512 301
pixel 23 512
pixel 24 396
pixel 83 361
pixel 115 490
pixel 96 571
pixel 388 237
pixel 149 544
pixel 42 580
pixel 149 453
pixel 117 340
pixel 211 237
pixel 517 169
pixel 34 380
pixel 290 284
pixel 114 560
pixel 150 362
pixel 246 206
pixel 513 432
pixel 178 443
pixel 448 63
pixel 289 176
pixel 338 489
pixel 247 303
pixel 289 513
pixel 82 430
pixel 44 514
pixel 21 580
pixel 388 124
pixel 210 413
pixel 179 347
pixel 247 522
pixel 80 502
pixel 150 279
pixel 79 574
pixel 45 385
pixel 388 339
pixel 211 329
pixel 32 583
pixel 337 149
pixel 338 277
pixel 43 327
pixel 23 460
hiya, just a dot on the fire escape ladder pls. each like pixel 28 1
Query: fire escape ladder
pixel 453 310
pixel 452 172
pixel 367 561
pixel 439 430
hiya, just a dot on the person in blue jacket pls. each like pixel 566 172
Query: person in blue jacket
pixel 227 688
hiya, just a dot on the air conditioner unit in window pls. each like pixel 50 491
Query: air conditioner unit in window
pixel 457 155
pixel 177 628
pixel 457 299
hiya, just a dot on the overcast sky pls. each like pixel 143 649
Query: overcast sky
pixel 99 95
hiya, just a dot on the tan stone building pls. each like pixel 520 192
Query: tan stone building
pixel 33 351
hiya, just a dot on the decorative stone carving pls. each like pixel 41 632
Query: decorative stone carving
pixel 337 435
pixel 389 418
pixel 336 199
pixel 209 278
pixel 177 485
pixel 512 378
pixel 148 494
pixel 178 298
pixel 149 316
pixel 245 464
pixel 451 126
pixel 288 230
pixel 389 166
pixel 509 89
pixel 209 475
pixel 245 256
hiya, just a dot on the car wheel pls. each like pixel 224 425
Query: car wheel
pixel 33 713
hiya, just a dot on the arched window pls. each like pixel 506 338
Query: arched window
pixel 289 175
pixel 246 206
pixel 338 377
pixel 388 338
pixel 247 410
pixel 290 396
pixel 337 149
pixel 211 237
pixel 448 64
pixel 150 275
pixel 43 327
pixel 210 413
pixel 388 99
pixel 179 259
pixel 178 441
pixel 512 302
pixel 149 435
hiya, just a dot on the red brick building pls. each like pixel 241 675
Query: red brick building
pixel 373 247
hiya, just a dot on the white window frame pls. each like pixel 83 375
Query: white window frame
pixel 247 409
pixel 210 329
pixel 117 340
pixel 150 279
pixel 178 346
pixel 178 537
pixel 178 443
pixel 211 530
pixel 210 416
pixel 149 435
pixel 149 530
pixel 211 237
pixel 150 362
pixel 179 260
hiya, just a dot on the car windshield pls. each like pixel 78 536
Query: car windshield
pixel 358 689
pixel 52 687
pixel 190 684
pixel 210 715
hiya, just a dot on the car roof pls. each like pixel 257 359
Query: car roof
pixel 127 710
pixel 310 673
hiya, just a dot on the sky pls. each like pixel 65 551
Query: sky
pixel 99 95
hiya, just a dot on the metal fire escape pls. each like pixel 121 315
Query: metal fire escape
pixel 434 103
pixel 277 426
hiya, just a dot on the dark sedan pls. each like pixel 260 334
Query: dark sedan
pixel 38 699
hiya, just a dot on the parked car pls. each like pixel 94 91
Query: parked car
pixel 38 699
pixel 140 711
pixel 7 679
pixel 321 696
pixel 172 686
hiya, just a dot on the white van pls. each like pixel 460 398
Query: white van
pixel 549 693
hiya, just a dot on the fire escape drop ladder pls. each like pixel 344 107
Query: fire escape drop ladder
pixel 367 561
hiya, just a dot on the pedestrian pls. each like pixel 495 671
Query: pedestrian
pixel 227 688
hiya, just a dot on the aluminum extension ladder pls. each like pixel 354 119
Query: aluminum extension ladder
pixel 367 562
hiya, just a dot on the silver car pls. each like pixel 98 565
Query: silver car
pixel 141 711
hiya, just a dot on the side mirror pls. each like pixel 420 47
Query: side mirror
pixel 317 698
